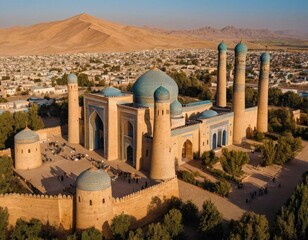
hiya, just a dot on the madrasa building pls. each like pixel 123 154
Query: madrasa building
pixel 152 131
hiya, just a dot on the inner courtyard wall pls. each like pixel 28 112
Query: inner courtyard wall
pixel 148 204
pixel 56 210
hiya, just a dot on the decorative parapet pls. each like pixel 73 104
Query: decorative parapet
pixel 37 196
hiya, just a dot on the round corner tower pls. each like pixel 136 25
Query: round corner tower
pixel 221 93
pixel 262 124
pixel 162 163
pixel 93 200
pixel 238 104
pixel 27 150
pixel 73 109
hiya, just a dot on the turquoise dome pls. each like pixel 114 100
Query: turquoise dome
pixel 207 114
pixel 26 136
pixel 72 78
pixel 93 180
pixel 111 92
pixel 265 57
pixel 146 84
pixel 240 48
pixel 176 108
pixel 222 46
pixel 161 94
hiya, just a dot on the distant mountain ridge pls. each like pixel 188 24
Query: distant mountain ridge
pixel 231 32
pixel 85 33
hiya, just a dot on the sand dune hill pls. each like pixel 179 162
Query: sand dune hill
pixel 84 33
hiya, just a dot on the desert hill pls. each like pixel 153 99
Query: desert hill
pixel 85 33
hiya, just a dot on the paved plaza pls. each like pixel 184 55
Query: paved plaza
pixel 239 200
pixel 63 162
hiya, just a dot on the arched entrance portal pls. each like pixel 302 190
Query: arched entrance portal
pixel 214 142
pixel 187 151
pixel 96 133
pixel 130 155
pixel 224 138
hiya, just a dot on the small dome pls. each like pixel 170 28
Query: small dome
pixel 111 92
pixel 240 48
pixel 161 94
pixel 26 136
pixel 207 114
pixel 176 108
pixel 265 57
pixel 146 84
pixel 72 78
pixel 222 46
pixel 93 180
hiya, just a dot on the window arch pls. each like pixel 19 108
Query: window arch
pixel 90 202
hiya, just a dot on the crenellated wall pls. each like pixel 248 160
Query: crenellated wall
pixel 57 210
pixel 148 204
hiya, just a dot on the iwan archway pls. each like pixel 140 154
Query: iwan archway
pixel 187 150
pixel 96 133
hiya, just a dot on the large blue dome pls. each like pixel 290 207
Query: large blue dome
pixel 146 85
pixel 222 46
pixel 111 92
pixel 207 114
pixel 26 136
pixel 72 78
pixel 176 108
pixel 93 180
pixel 240 48
pixel 265 57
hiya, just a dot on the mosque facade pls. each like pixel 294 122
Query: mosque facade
pixel 125 126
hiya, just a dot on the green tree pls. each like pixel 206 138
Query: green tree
pixel 268 151
pixel 3 100
pixel 4 217
pixel 35 121
pixel 156 231
pixel 91 234
pixel 210 220
pixel 136 235
pixel 173 223
pixel 20 120
pixel 233 161
pixel 274 96
pixel 208 158
pixel 190 213
pixel 27 230
pixel 291 99
pixel 251 226
pixel 120 225
pixel 251 97
pixel 222 187
pixel 6 123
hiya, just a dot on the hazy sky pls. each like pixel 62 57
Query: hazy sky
pixel 169 14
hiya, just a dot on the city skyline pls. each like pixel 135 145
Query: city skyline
pixel 273 15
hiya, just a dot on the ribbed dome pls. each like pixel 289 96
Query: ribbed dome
pixel 265 57
pixel 72 78
pixel 222 46
pixel 240 48
pixel 93 180
pixel 161 94
pixel 176 108
pixel 207 114
pixel 146 85
pixel 26 136
pixel 111 92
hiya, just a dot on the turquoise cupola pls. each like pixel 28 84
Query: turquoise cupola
pixel 240 48
pixel 176 108
pixel 72 78
pixel 222 46
pixel 111 92
pixel 207 114
pixel 265 57
pixel 161 94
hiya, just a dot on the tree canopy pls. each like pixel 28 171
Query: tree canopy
pixel 232 161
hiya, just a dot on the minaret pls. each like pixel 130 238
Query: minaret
pixel 73 109
pixel 263 93
pixel 238 105
pixel 221 93
pixel 162 163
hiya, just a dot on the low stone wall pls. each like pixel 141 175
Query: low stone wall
pixel 57 210
pixel 46 132
pixel 148 204
pixel 6 152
